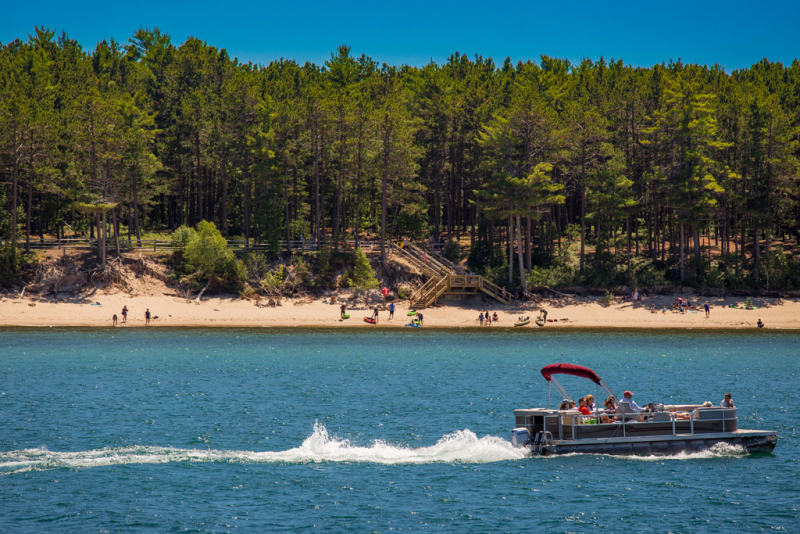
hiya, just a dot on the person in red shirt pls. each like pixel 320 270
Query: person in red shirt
pixel 583 409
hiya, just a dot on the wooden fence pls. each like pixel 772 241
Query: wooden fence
pixel 156 244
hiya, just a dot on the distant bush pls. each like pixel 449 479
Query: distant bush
pixel 182 236
pixel 364 276
pixel 207 252
pixel 452 251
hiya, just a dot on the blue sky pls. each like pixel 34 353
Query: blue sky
pixel 734 34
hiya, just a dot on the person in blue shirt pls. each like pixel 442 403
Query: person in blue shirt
pixel 391 310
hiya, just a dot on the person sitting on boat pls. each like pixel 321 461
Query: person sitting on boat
pixel 590 403
pixel 630 402
pixel 564 405
pixel 610 405
pixel 583 409
pixel 727 402
pixel 571 405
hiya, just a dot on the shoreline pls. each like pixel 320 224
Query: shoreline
pixel 234 312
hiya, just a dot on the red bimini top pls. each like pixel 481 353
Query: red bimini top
pixel 569 369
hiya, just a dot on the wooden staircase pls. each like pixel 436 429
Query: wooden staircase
pixel 446 278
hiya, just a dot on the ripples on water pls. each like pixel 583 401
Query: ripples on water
pixel 231 430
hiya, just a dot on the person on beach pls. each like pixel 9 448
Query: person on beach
pixel 653 309
pixel 480 318
pixel 375 313
pixel 759 323
pixel 343 309
pixel 707 308
pixel 727 402
pixel 147 316
pixel 124 314
pixel 543 314
pixel 419 319
pixel 114 320
pixel 494 317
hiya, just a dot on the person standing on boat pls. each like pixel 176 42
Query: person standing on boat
pixel 630 402
pixel 727 402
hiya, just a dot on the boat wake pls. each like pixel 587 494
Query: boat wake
pixel 720 450
pixel 462 446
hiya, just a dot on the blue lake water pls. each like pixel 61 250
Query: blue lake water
pixel 270 430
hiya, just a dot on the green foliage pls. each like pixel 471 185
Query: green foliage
pixel 452 251
pixel 182 236
pixel 364 276
pixel 301 270
pixel 273 280
pixel 9 265
pixel 208 254
pixel 608 298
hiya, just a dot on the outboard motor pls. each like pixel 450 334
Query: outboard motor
pixel 520 437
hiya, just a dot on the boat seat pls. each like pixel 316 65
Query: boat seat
pixel 631 415
pixel 660 417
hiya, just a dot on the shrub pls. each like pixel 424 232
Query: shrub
pixel 182 236
pixel 9 265
pixel 452 251
pixel 364 276
pixel 608 298
pixel 208 253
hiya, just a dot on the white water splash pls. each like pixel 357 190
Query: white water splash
pixel 720 450
pixel 462 446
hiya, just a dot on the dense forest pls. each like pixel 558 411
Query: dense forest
pixel 597 173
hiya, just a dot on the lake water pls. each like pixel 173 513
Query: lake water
pixel 270 430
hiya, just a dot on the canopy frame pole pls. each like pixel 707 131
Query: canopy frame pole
pixel 560 389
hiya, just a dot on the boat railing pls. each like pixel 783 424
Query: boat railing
pixel 577 420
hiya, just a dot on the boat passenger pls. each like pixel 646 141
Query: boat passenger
pixel 583 409
pixel 630 402
pixel 611 407
pixel 727 402
pixel 571 405
pixel 590 403
pixel 564 405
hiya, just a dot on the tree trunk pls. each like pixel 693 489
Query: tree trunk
pixel 519 255
pixel 682 258
pixel 510 250
pixel 248 189
pixel 528 257
pixel 757 253
pixel 583 226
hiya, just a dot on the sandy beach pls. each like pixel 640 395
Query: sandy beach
pixel 230 311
